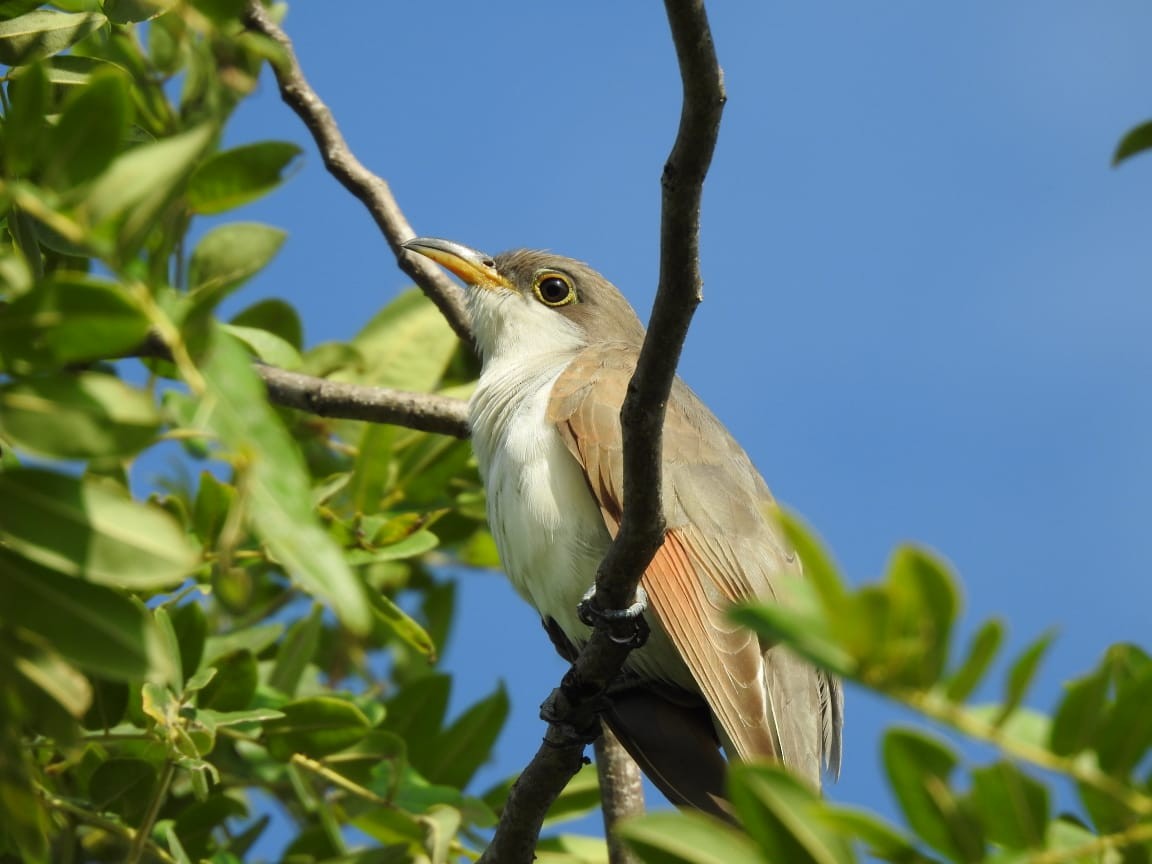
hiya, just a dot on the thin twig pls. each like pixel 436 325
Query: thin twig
pixel 372 191
pixel 642 419
pixel 621 792
pixel 144 832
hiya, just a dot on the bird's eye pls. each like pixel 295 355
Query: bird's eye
pixel 554 289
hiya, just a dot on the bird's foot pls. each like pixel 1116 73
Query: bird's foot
pixel 572 714
pixel 625 626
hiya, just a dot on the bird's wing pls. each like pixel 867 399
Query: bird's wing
pixel 722 546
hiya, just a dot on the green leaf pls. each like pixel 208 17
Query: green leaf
pixel 297 650
pixel 198 681
pixel 362 762
pixel 124 202
pixel 196 822
pixel 123 786
pixel 94 627
pixel 1080 713
pixel 90 132
pixel 278 483
pixel 416 714
pixel 1135 140
pixel 234 685
pixel 14 8
pixel 92 530
pixel 1021 674
pixel 25 126
pixel 373 470
pixel 190 627
pixel 221 11
pixel 171 654
pixel 229 255
pixel 882 840
pixel 69 318
pixel 315 727
pixel 687 838
pixel 1011 805
pixel 783 816
pixel 924 605
pixel 1064 836
pixel 919 769
pixel 390 828
pixel 87 415
pixel 132 11
pixel 1126 733
pixel 805 633
pixel 275 316
pixel 254 639
pixel 580 797
pixel 109 702
pixel 58 679
pixel 467 743
pixel 43 33
pixel 237 718
pixel 981 652
pixel 572 849
pixel 441 824
pixel 268 347
pixel 235 177
pixel 818 566
pixel 412 546
pixel 214 499
pixel 394 622
pixel 407 345
pixel 72 70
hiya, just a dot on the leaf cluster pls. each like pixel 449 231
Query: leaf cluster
pixel 262 620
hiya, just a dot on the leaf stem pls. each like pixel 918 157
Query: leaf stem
pixel 322 770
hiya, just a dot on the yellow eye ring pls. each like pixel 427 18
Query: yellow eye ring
pixel 553 288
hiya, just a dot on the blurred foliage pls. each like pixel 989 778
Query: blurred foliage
pixel 184 639
pixel 895 637
pixel 262 624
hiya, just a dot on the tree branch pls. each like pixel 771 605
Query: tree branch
pixel 372 191
pixel 621 792
pixel 642 418
pixel 425 412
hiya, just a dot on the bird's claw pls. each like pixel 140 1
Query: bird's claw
pixel 572 719
pixel 592 615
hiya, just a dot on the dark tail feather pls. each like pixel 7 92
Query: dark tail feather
pixel 675 745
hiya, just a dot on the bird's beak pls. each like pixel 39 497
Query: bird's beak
pixel 474 268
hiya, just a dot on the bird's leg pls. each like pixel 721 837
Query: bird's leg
pixel 613 619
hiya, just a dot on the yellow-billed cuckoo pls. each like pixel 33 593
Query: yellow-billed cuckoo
pixel 559 344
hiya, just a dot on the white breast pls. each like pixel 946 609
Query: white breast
pixel 547 526
pixel 543 517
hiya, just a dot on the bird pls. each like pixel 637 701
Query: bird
pixel 558 344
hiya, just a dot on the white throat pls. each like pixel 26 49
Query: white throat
pixel 545 521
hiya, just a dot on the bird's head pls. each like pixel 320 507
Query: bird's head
pixel 525 303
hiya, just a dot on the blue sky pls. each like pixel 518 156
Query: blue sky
pixel 928 296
